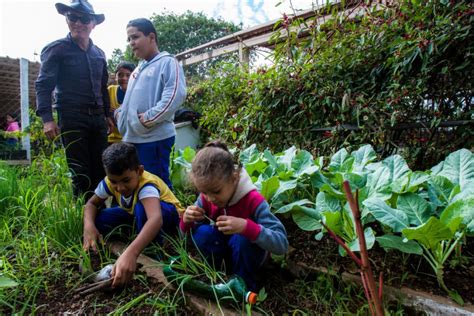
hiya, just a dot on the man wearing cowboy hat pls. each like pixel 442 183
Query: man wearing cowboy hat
pixel 76 70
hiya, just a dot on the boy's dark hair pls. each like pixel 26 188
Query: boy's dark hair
pixel 214 161
pixel 125 64
pixel 145 26
pixel 120 157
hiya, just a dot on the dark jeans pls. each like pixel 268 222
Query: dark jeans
pixel 155 157
pixel 110 218
pixel 84 136
pixel 239 255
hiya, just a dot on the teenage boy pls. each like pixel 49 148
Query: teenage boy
pixel 156 90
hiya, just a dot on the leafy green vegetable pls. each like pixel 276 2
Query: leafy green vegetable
pixel 430 233
pixel 458 167
pixel 415 207
pixel 398 243
pixel 394 218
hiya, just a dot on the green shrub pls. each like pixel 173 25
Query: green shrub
pixel 408 63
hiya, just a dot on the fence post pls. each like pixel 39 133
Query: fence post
pixel 244 56
pixel 25 115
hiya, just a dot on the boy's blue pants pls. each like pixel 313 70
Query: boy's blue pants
pixel 240 255
pixel 155 157
pixel 110 218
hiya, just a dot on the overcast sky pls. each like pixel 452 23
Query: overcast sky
pixel 26 26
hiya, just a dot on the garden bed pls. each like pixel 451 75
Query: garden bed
pixel 287 292
pixel 149 292
pixel 399 270
pixel 59 299
pixel 46 281
pixel 141 296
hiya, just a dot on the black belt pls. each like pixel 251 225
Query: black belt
pixel 85 110
pixel 92 111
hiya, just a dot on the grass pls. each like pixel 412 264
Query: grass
pixel 316 294
pixel 39 220
pixel 192 271
pixel 41 239
pixel 41 243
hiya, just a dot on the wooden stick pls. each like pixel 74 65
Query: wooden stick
pixel 366 291
pixel 93 287
pixel 381 286
pixel 343 245
pixel 354 204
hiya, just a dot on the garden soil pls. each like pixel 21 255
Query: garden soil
pixel 286 293
pixel 398 269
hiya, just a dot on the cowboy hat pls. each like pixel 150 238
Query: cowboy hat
pixel 82 6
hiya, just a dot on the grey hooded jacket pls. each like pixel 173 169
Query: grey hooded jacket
pixel 156 88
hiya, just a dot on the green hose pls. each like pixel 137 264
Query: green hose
pixel 234 290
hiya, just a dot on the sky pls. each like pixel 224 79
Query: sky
pixel 26 26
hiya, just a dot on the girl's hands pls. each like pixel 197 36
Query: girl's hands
pixel 226 224
pixel 193 214
pixel 230 225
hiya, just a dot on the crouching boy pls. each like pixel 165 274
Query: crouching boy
pixel 141 198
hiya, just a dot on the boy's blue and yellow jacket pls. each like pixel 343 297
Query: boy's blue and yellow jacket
pixel 146 178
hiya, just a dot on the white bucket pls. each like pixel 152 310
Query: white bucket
pixel 186 135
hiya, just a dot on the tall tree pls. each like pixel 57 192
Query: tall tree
pixel 118 56
pixel 177 33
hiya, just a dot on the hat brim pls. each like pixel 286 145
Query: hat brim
pixel 63 9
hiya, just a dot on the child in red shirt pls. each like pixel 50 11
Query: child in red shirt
pixel 12 127
pixel 231 222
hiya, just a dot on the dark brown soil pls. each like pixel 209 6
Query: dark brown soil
pixel 398 269
pixel 311 295
pixel 286 294
pixel 59 298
